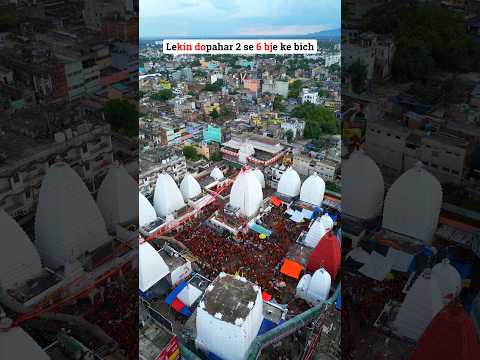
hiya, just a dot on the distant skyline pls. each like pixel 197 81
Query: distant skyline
pixel 237 17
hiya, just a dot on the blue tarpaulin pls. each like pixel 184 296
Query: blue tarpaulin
pixel 173 295
pixel 260 229
pixel 338 301
pixel 268 325
pixel 212 356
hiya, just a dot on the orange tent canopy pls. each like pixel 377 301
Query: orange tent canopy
pixel 276 201
pixel 291 269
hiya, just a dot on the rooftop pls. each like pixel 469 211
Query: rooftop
pixel 230 296
pixel 152 340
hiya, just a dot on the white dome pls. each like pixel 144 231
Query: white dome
pixel 167 197
pixel 302 286
pixel 261 179
pixel 146 212
pixel 317 230
pixel 217 174
pixel 190 187
pixel 19 259
pixel 289 183
pixel 422 302
pixel 117 196
pixel 314 289
pixel 246 193
pixel 362 186
pixel 413 203
pixel 319 286
pixel 17 344
pixel 313 190
pixel 448 278
pixel 151 267
pixel 68 223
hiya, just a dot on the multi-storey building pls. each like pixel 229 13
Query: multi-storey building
pixel 396 147
pixel 33 147
pixel 307 165
pixel 154 162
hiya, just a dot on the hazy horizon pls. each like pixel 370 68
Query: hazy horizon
pixel 237 18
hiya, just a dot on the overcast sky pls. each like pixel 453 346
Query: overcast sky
pixel 237 17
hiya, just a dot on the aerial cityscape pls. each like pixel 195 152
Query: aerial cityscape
pixel 239 206
pixel 68 169
pixel 239 162
pixel 410 223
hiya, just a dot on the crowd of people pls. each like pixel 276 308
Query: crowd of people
pixel 117 313
pixel 256 259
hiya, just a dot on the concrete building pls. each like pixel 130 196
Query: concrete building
pixel 396 148
pixel 309 96
pixel 155 162
pixel 86 147
pixel 277 87
pixel 306 166
pixel 296 126
pixel 374 51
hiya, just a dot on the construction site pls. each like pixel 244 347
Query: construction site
pixel 234 269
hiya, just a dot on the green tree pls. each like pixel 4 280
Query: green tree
pixel 190 152
pixel 278 103
pixel 225 111
pixel 289 136
pixel 358 73
pixel 318 120
pixel 214 114
pixel 122 116
pixel 216 86
pixel 294 89
pixel 162 95
pixel 216 156
pixel 426 38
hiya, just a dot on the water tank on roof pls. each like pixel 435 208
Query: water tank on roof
pixel 362 186
pixel 412 204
